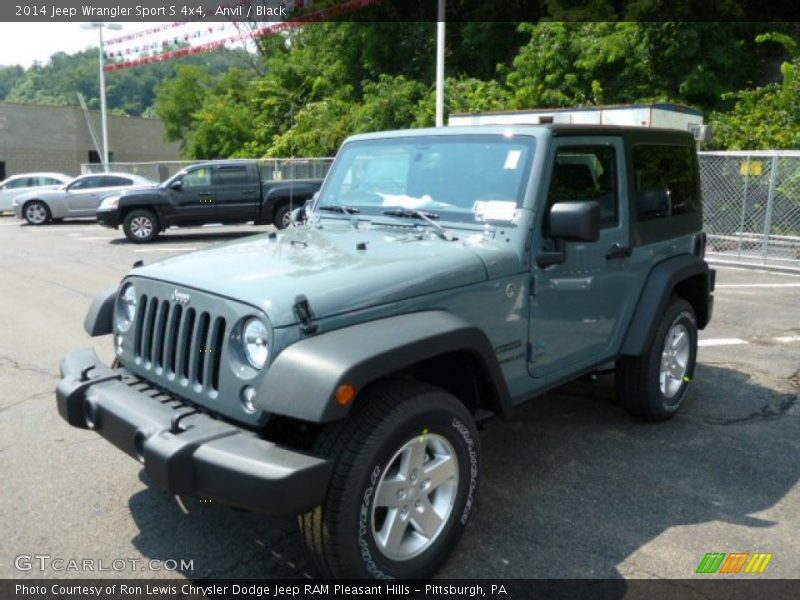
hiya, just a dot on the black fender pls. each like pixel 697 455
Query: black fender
pixel 664 279
pixel 100 318
pixel 302 380
pixel 296 192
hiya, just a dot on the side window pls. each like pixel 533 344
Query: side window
pixel 197 178
pixel 231 176
pixel 48 181
pixel 22 182
pixel 111 181
pixel 586 173
pixel 665 181
pixel 82 184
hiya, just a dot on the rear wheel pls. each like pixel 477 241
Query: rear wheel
pixel 283 217
pixel 140 226
pixel 403 488
pixel 653 386
pixel 36 212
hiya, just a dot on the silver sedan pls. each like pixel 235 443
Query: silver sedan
pixel 79 198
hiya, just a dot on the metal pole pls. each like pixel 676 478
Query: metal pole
pixel 440 65
pixel 744 204
pixel 773 176
pixel 103 114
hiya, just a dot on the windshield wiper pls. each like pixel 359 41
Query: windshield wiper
pixel 413 213
pixel 348 210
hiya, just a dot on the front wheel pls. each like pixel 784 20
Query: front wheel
pixel 404 484
pixel 140 226
pixel 36 212
pixel 653 386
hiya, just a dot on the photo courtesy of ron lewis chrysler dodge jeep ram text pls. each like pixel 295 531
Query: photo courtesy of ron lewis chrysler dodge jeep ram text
pixel 338 370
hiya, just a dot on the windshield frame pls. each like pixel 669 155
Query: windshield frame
pixel 452 217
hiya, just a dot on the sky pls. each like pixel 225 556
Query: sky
pixel 25 43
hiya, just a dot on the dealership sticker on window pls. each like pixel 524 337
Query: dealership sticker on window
pixel 494 210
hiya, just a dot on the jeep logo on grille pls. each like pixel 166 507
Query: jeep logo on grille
pixel 180 298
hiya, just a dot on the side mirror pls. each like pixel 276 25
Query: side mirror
pixel 575 221
pixel 176 185
pixel 570 222
pixel 298 216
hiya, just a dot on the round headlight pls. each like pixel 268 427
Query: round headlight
pixel 126 307
pixel 256 349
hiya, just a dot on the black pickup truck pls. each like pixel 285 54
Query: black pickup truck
pixel 230 191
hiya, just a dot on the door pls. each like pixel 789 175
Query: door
pixel 237 194
pixel 83 195
pixel 193 199
pixel 576 306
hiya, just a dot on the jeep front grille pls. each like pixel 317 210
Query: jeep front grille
pixel 179 343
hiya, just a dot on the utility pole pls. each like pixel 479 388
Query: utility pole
pixel 440 65
pixel 103 112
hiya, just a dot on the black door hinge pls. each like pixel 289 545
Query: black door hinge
pixel 303 311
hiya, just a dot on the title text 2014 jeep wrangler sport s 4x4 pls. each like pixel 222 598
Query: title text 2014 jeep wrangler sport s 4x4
pixel 338 370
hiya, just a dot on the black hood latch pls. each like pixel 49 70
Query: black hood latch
pixel 303 311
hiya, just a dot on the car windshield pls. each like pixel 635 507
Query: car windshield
pixel 463 178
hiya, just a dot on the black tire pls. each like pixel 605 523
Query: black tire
pixel 36 212
pixel 281 218
pixel 638 378
pixel 388 417
pixel 141 226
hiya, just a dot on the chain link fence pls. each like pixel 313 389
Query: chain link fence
pixel 751 206
pixel 271 168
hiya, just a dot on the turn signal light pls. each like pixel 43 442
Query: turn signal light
pixel 345 394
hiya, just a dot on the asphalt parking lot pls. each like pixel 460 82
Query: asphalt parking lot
pixel 571 488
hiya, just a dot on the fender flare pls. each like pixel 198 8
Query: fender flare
pixel 302 380
pixel 655 297
pixel 99 319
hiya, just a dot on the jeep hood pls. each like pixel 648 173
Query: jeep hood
pixel 327 266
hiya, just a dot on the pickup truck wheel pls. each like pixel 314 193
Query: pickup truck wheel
pixel 140 226
pixel 653 386
pixel 403 487
pixel 36 212
pixel 283 217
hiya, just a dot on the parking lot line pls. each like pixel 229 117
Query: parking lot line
pixel 757 285
pixel 722 342
pixel 165 249
pixel 99 237
pixel 787 339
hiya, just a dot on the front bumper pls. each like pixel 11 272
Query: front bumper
pixel 109 218
pixel 184 450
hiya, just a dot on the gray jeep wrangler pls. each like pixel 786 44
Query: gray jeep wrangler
pixel 338 370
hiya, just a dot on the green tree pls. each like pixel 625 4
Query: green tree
pixel 766 117
pixel 179 98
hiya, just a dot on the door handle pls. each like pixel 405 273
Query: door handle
pixel 618 250
pixel 204 194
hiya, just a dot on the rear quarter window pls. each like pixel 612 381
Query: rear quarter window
pixel 665 181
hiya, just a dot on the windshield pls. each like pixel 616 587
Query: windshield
pixel 466 178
